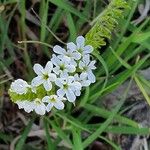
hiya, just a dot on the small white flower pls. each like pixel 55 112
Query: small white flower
pixel 82 78
pixel 68 86
pixel 69 55
pixel 87 66
pixel 29 106
pixel 81 48
pixel 54 101
pixel 45 76
pixel 62 66
pixel 19 86
pixel 26 105
pixel 39 106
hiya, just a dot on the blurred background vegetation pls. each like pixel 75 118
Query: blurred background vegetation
pixel 113 113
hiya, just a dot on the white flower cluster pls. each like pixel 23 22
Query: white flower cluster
pixel 62 78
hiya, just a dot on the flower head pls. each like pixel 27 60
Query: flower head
pixel 68 86
pixel 29 106
pixel 87 66
pixel 26 105
pixel 19 86
pixel 82 78
pixel 65 74
pixel 45 76
pixel 80 46
pixel 39 106
pixel 69 55
pixel 62 66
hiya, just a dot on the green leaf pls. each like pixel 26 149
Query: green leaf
pixel 43 15
pixel 71 26
pixel 101 129
pixel 125 64
pixel 117 80
pixel 59 131
pixel 77 143
pixel 85 98
pixel 67 6
pixel 23 137
pixel 140 85
pixel 141 37
pixel 48 138
pixel 105 114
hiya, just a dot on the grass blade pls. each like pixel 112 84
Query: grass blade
pixel 48 138
pixel 21 141
pixel 77 143
pixel 59 131
pixel 66 6
pixel 93 136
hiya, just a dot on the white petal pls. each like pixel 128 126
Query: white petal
pixel 33 89
pixel 70 79
pixel 78 92
pixel 76 77
pixel 40 109
pixel 72 62
pixel 71 46
pixel 55 60
pixel 91 77
pixel 59 105
pixel 46 99
pixel 37 81
pixel 86 59
pixel 57 70
pixel 81 65
pixel 60 92
pixel 38 69
pixel 76 55
pixel 71 68
pixel 60 98
pixel 86 83
pixel 76 85
pixel 28 109
pixel 66 58
pixel 83 76
pixel 49 67
pixel 52 77
pixel 92 64
pixel 47 85
pixel 28 106
pixel 88 49
pixel 49 107
pixel 70 95
pixel 80 41
pixel 64 75
pixel 59 82
pixel 20 104
pixel 59 50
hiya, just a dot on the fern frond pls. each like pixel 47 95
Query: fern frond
pixel 105 23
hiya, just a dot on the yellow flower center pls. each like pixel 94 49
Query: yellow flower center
pixel 53 99
pixel 62 67
pixel 37 101
pixel 65 86
pixel 80 50
pixel 45 76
